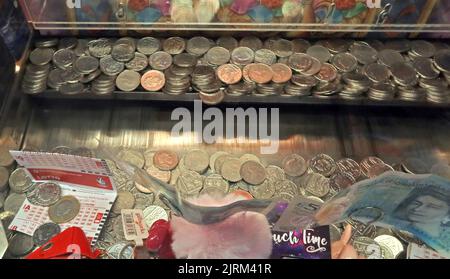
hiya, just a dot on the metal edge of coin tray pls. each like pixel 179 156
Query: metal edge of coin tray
pixel 249 99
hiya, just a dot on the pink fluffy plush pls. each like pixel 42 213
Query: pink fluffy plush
pixel 244 235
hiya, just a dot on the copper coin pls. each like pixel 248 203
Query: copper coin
pixel 245 71
pixel 327 73
pixel 260 73
pixel 229 73
pixel 165 160
pixel 281 73
pixel 212 99
pixel 153 80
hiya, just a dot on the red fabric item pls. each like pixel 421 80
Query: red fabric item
pixel 160 239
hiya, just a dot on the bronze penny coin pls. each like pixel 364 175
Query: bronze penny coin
pixel 229 73
pixel 281 73
pixel 153 80
pixel 260 73
pixel 165 160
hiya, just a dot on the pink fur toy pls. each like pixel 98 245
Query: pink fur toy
pixel 245 235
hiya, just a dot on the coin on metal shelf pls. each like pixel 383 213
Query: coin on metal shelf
pixel 90 77
pixel 185 60
pixel 64 210
pixel 281 73
pixel 253 172
pixel 365 54
pixel 133 157
pixel 227 42
pixel 20 245
pixel 404 74
pixel 265 190
pixel 198 45
pixel 300 45
pixel 123 52
pixel 63 58
pixel 422 48
pixel 322 164
pixel 46 42
pixel 389 57
pixel 231 169
pixel 376 72
pixel 45 232
pixel 251 42
pixel 425 68
pixel 13 202
pixel 341 180
pixel 100 48
pixel 260 73
pixel 265 56
pixel 68 42
pixel 229 73
pixel 217 183
pixel 344 62
pixel 138 63
pixel 124 200
pixel 153 80
pixel 165 160
pixel 294 165
pixel 148 45
pixel 72 88
pixel 20 181
pixel 350 166
pixel 319 52
pixel 283 48
pixel 212 98
pixel 160 60
pixel 242 56
pixel 314 68
pixel 110 66
pixel 154 213
pixel 300 62
pixel 218 56
pixel 327 73
pixel 44 194
pixel 442 61
pixel 41 56
pixel 196 160
pixel 128 80
pixel 86 64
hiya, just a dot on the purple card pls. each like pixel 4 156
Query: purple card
pixel 304 244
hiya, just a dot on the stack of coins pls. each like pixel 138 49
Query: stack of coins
pixel 413 94
pixel 355 86
pixel 382 92
pixel 240 88
pixel 104 85
pixel 178 80
pixel 327 89
pixel 35 79
pixel 268 89
pixel 300 85
pixel 442 63
pixel 436 89
pixel 421 48
pixel 204 79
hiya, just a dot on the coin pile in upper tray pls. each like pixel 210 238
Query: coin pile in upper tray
pixel 409 70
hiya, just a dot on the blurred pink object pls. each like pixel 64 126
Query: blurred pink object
pixel 245 235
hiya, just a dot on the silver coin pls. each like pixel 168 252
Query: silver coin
pixel 71 75
pixel 287 186
pixel 124 200
pixel 294 165
pixel 198 46
pixel 68 42
pixel 304 81
pixel 314 69
pixel 128 80
pixel 90 77
pixel 174 45
pixel 160 60
pixel 253 172
pixel 283 48
pixel 122 52
pixel 422 48
pixel 265 56
pixel 185 60
pixel 442 61
pixel 44 194
pixel 266 190
pixel 215 182
pixel 45 232
pixel 20 181
pixel 196 160
pixel 336 46
pixel 350 166
pixel 249 157
pixel 242 56
pixel 189 183
pixel 100 48
pixel 154 213
pixel 86 64
pixel 55 79
pixel 317 184
pixel 64 58
pixel 110 66
pixel 143 200
pixel 344 62
pixel 404 74
pixel 275 173
pixel 322 164
pixel 390 57
pixel 319 52
pixel 365 54
pixel 64 210
pixel 218 56
pixel 163 175
pixel 300 45
pixel 300 62
pixel 251 42
pixel 231 169
pixel 13 202
pixel 213 158
pixel 377 72
pixel 148 45
pixel 133 157
pixel 128 41
pixel 81 48
pixel 72 88
pixel 395 246
pixel 138 63
pixel 401 45
pixel 227 42
pixel 425 68
pixel 20 245
pixel 41 56
pixel 46 42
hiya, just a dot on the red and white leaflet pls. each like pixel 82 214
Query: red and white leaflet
pixel 88 179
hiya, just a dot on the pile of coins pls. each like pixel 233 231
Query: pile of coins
pixel 399 69
pixel 196 172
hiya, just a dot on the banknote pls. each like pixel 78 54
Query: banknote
pixel 419 204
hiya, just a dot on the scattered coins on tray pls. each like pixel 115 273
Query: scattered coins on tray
pixel 195 172
pixel 415 70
